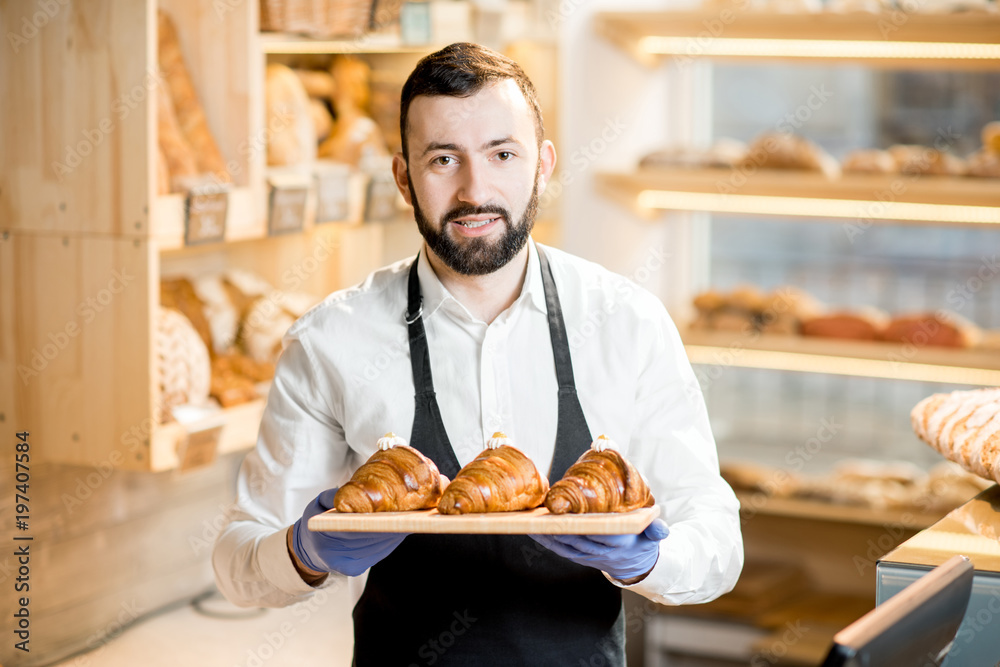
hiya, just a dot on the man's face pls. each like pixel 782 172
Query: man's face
pixel 474 175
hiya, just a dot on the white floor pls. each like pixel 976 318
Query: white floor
pixel 316 632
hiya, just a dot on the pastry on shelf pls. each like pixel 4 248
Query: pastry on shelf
pixel 749 476
pixel 991 137
pixel 183 370
pixel 500 479
pixel 856 324
pixel 188 110
pixel 235 377
pixel 785 150
pixel 179 294
pixel 869 161
pixel 316 82
pixel 354 134
pixel 939 329
pixel 723 153
pixel 747 309
pixel 784 309
pixel 601 480
pixel 869 483
pixel 983 163
pixel 915 159
pixel 964 426
pixel 291 132
pixel 178 159
pixel 396 478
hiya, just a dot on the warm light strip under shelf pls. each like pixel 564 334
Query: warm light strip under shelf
pixel 814 48
pixel 815 206
pixel 834 365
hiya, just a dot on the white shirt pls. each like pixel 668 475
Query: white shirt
pixel 344 379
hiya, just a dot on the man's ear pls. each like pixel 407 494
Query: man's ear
pixel 547 164
pixel 401 174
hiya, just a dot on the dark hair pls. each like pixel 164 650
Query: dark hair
pixel 462 70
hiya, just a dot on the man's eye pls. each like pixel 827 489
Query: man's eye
pixel 505 155
pixel 443 160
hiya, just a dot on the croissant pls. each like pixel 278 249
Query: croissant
pixel 601 480
pixel 396 478
pixel 964 426
pixel 501 479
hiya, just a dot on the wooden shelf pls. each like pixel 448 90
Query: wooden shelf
pixel 240 426
pixel 980 367
pixel 289 44
pixel 863 198
pixel 967 40
pixel 755 503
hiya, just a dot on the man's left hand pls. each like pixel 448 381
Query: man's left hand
pixel 624 557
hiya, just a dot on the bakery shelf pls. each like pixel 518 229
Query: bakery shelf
pixel 240 424
pixel 980 367
pixel 968 40
pixel 289 44
pixel 243 220
pixel 752 503
pixel 865 198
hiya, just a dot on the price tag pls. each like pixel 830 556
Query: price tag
pixel 205 216
pixel 287 210
pixel 332 192
pixel 380 204
pixel 199 448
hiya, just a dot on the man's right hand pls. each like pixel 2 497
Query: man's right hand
pixel 346 553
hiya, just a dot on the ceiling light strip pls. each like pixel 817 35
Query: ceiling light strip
pixel 814 206
pixel 815 48
pixel 835 365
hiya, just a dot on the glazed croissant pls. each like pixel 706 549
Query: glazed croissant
pixel 501 479
pixel 396 478
pixel 601 480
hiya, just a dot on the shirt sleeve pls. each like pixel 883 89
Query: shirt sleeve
pixel 300 452
pixel 673 446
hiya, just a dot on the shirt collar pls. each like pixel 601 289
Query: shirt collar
pixel 435 295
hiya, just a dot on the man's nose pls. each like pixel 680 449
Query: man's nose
pixel 475 186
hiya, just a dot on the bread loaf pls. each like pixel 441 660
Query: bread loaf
pixel 396 478
pixel 500 479
pixel 190 114
pixel 964 426
pixel 182 364
pixel 784 150
pixel 292 137
pixel 913 159
pixel 179 294
pixel 601 480
pixel 869 161
pixel 984 164
pixel 860 324
pixel 991 137
pixel 177 155
pixel 941 329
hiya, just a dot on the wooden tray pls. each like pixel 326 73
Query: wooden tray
pixel 537 521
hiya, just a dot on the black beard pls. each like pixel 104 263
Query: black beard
pixel 477 256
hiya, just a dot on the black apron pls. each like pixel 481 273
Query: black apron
pixel 487 599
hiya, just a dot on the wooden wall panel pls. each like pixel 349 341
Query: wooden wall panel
pixel 75 123
pixel 108 548
pixel 82 308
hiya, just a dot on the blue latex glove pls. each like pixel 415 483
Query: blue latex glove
pixel 621 556
pixel 346 553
